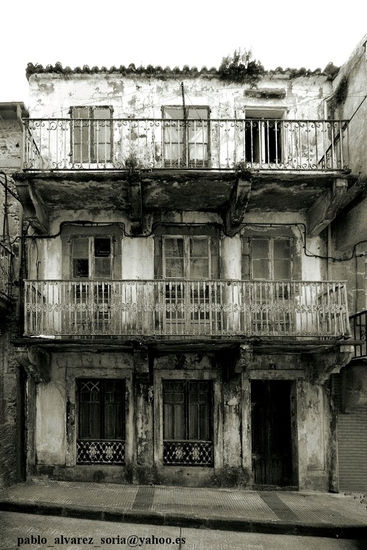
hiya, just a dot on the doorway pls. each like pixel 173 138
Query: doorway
pixel 272 449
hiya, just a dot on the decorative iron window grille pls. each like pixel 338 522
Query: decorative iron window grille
pixel 101 421
pixel 188 453
pixel 100 452
pixel 188 423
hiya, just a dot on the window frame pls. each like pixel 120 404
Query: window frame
pixel 187 405
pixel 187 256
pixel 102 403
pixel 91 257
pixel 271 258
pixel 186 162
pixel 260 116
pixel 92 159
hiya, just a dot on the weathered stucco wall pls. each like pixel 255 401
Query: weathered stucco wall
pixel 52 95
pixel 57 417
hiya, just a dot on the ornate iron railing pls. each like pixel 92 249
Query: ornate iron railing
pixel 188 453
pixel 103 144
pixel 186 308
pixel 6 256
pixel 100 451
pixel 358 323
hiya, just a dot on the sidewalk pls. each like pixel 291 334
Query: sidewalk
pixel 298 513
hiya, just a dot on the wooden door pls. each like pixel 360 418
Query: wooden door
pixel 271 432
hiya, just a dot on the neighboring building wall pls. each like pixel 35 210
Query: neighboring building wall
pixel 12 379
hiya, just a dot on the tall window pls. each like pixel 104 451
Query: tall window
pixel 188 306
pixel 269 259
pixel 187 422
pixel 186 136
pixel 91 134
pixel 90 311
pixel 101 421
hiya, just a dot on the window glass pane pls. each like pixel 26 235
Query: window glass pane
pixel 199 247
pixel 173 112
pixel 114 399
pixel 199 268
pixel 173 247
pixel 102 267
pixel 174 267
pixel 282 248
pixel 199 113
pixel 260 248
pixel 80 268
pixel 89 409
pixel 102 247
pixel 80 247
pixel 282 269
pixel 101 112
pixel 260 269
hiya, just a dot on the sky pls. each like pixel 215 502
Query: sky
pixel 286 33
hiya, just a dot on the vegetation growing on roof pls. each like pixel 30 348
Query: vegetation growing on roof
pixel 240 67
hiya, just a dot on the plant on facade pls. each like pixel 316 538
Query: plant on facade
pixel 131 163
pixel 241 170
pixel 241 67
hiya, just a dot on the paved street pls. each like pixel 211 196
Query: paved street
pixel 14 527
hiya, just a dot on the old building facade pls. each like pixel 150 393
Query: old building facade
pixel 182 319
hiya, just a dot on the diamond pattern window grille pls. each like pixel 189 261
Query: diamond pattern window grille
pixel 188 453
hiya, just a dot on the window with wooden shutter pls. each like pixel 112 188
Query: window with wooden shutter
pixel 101 421
pixel 187 422
pixel 91 134
pixel 186 136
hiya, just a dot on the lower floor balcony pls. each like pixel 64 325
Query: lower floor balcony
pixel 185 309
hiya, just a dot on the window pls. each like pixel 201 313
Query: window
pixel 188 257
pixel 91 257
pixel 186 136
pixel 192 258
pixel 91 134
pixel 101 419
pixel 263 137
pixel 270 259
pixel 187 422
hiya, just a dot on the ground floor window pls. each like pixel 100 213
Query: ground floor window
pixel 101 419
pixel 188 422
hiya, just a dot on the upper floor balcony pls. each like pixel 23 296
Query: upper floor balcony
pixel 182 309
pixel 82 144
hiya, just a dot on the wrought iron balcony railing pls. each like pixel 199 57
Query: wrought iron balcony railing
pixel 219 144
pixel 6 256
pixel 186 308
pixel 358 323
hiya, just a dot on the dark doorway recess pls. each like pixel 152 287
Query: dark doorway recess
pixel 272 456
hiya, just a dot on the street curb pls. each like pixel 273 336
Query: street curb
pixel 356 532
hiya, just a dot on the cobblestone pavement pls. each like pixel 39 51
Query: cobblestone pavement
pixel 16 531
pixel 274 507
